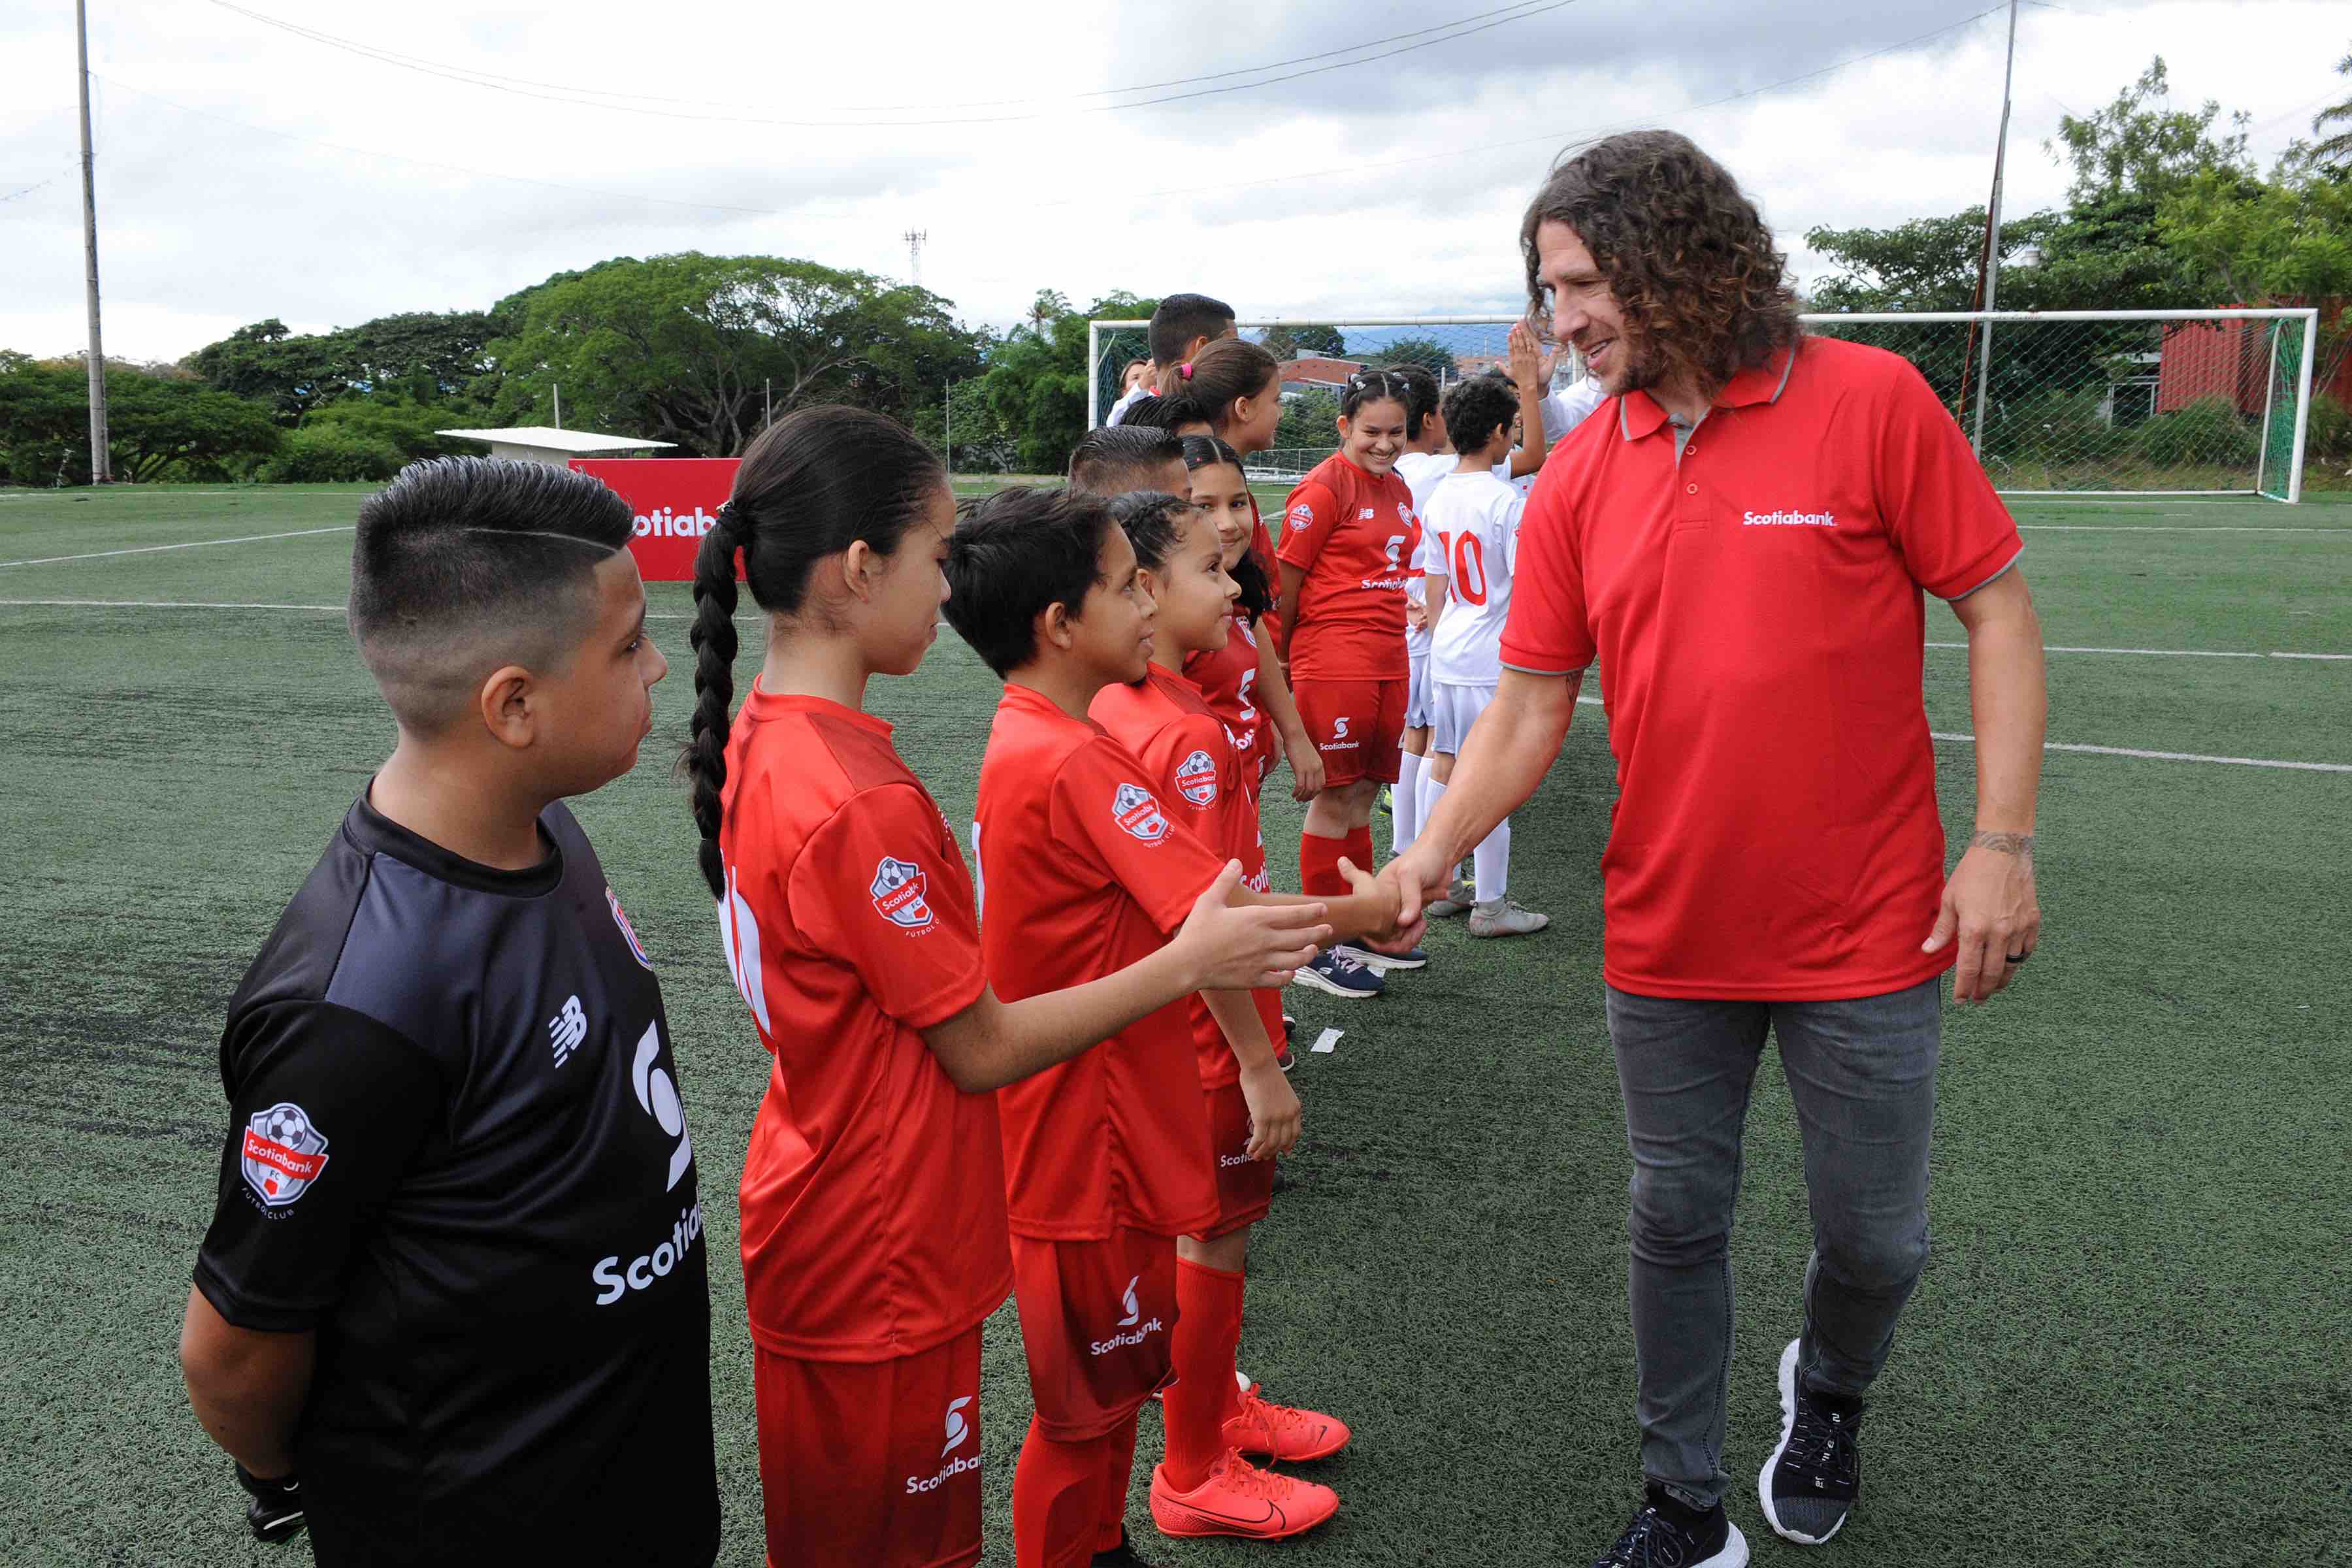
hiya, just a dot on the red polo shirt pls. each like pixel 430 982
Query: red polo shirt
pixel 1756 605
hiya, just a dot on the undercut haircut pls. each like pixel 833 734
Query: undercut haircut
pixel 1478 407
pixel 1684 251
pixel 1181 318
pixel 1016 554
pixel 1121 458
pixel 463 565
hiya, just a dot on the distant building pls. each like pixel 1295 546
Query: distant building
pixel 543 444
pixel 1317 373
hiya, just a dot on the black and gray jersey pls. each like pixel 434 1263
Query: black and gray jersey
pixel 456 1152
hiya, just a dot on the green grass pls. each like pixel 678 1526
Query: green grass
pixel 2140 1302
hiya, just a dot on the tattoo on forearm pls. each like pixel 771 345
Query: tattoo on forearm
pixel 2018 843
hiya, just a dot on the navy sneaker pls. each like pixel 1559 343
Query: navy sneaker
pixel 1666 1534
pixel 1341 976
pixel 1808 1485
pixel 1382 962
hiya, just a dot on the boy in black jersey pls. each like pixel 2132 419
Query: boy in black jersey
pixel 453 1302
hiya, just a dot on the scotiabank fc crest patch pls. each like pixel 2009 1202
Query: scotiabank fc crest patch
pixel 1137 812
pixel 1303 515
pixel 613 902
pixel 282 1154
pixel 1196 778
pixel 899 894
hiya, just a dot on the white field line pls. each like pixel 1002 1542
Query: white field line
pixel 2171 652
pixel 1581 701
pixel 191 544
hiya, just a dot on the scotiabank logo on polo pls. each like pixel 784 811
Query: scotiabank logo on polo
pixel 1788 519
pixel 663 524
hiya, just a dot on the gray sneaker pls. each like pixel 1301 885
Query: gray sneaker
pixel 1459 896
pixel 1505 917
pixel 1808 1485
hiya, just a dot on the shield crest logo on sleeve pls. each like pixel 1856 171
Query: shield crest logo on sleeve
pixel 898 891
pixel 1137 812
pixel 282 1154
pixel 1196 778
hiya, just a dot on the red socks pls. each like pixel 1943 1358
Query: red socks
pixel 1319 866
pixel 1359 848
pixel 1057 1498
pixel 1119 1469
pixel 1208 1331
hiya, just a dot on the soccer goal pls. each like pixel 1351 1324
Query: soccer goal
pixel 2056 403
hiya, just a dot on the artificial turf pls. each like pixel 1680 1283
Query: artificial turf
pixel 2138 1317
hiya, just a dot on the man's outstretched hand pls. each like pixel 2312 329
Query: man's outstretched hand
pixel 1404 931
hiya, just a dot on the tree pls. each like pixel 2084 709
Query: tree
pixel 157 427
pixel 2334 153
pixel 688 347
pixel 1930 263
pixel 1035 386
pixel 2289 239
pixel 1427 353
pixel 1287 342
pixel 266 362
pixel 1310 422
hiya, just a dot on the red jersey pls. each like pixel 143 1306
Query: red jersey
pixel 1754 603
pixel 1354 536
pixel 1083 872
pixel 873 1219
pixel 1163 721
pixel 1227 680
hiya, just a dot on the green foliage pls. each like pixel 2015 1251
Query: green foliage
pixel 2207 431
pixel 324 454
pixel 1287 342
pixel 2054 427
pixel 1310 419
pixel 982 445
pixel 2140 145
pixel 2329 438
pixel 1427 353
pixel 2334 152
pixel 155 423
pixel 690 348
pixel 1036 385
pixel 405 426
pixel 425 356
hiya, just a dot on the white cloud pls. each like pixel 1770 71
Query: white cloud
pixel 210 220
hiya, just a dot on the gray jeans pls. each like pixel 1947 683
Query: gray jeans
pixel 1863 1074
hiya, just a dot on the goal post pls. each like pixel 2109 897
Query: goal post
pixel 2055 403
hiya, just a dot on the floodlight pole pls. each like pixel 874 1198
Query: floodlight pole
pixel 1992 234
pixel 947 412
pixel 558 404
pixel 101 460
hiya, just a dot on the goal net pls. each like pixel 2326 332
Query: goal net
pixel 2055 403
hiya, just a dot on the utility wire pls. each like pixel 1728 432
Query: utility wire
pixel 378 52
pixel 1463 29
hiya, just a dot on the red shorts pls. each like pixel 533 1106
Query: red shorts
pixel 1357 725
pixel 851 1462
pixel 1244 1186
pixel 1097 1320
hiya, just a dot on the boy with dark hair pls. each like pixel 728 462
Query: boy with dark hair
pixel 1119 458
pixel 1108 1157
pixel 452 1302
pixel 1181 326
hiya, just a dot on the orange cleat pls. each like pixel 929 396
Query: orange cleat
pixel 1239 1499
pixel 1272 1431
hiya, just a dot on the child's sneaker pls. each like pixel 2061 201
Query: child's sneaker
pixel 1264 1430
pixel 1342 976
pixel 1504 917
pixel 1239 1499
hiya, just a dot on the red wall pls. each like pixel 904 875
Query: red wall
pixel 674 500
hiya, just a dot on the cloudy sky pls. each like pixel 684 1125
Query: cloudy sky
pixel 436 155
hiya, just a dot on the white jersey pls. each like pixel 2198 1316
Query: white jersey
pixel 1471 533
pixel 1421 471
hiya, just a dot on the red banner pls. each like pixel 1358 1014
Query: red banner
pixel 674 500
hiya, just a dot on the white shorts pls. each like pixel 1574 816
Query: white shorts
pixel 1416 694
pixel 1453 709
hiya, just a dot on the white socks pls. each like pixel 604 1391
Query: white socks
pixel 1432 792
pixel 1492 861
pixel 1404 804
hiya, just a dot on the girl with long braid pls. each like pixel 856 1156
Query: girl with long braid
pixel 873 1230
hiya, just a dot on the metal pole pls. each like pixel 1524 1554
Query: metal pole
pixel 1094 374
pixel 1992 234
pixel 767 401
pixel 2270 400
pixel 101 460
pixel 950 415
pixel 2302 407
pixel 558 404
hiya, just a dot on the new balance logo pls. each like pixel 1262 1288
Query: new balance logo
pixel 566 1030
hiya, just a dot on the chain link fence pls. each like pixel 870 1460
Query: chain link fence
pixel 2061 403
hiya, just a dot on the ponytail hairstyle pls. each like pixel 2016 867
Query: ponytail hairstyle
pixel 810 486
pixel 1153 522
pixel 1257 593
pixel 1420 395
pixel 1204 390
pixel 1376 386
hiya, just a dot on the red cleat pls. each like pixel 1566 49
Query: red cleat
pixel 1239 1499
pixel 1282 1432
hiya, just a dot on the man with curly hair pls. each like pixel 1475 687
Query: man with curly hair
pixel 1742 536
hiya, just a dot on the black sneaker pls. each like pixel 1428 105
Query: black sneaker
pixel 1809 1484
pixel 1336 973
pixel 1667 1534
pixel 1122 1555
